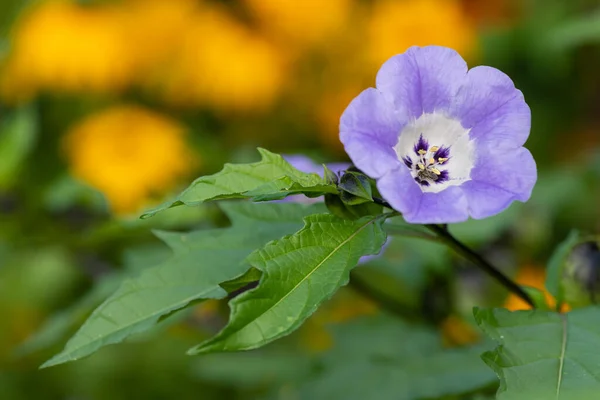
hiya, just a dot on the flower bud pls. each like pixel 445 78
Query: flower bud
pixel 581 273
pixel 355 188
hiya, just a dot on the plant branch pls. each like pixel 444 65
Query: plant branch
pixel 478 260
pixel 442 232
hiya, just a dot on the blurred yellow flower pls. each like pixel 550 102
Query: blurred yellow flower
pixel 222 64
pixel 345 306
pixel 328 111
pixel 535 277
pixel 456 331
pixel 301 23
pixel 155 28
pixel 129 153
pixel 396 25
pixel 61 45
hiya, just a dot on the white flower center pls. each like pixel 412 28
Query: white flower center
pixel 437 150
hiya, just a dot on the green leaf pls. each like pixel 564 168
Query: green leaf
pixel 555 267
pixel 251 276
pixel 339 208
pixel 299 273
pixel 544 355
pixel 356 188
pixel 202 260
pixel 384 358
pixel 60 324
pixel 17 137
pixel 272 178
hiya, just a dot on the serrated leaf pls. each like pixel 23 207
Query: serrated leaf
pixel 381 357
pixel 556 265
pixel 299 273
pixel 544 355
pixel 201 261
pixel 60 324
pixel 272 178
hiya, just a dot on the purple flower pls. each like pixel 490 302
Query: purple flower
pixel 443 142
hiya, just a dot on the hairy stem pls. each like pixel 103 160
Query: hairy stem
pixel 442 232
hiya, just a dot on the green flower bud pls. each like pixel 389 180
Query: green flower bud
pixel 581 273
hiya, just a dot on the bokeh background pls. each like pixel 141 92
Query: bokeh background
pixel 108 107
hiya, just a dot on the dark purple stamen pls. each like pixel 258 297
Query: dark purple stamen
pixel 421 182
pixel 421 145
pixel 443 152
pixel 443 177
pixel 407 162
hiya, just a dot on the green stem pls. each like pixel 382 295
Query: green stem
pixel 442 232
pixel 478 260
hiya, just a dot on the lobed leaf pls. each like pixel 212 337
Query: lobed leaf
pixel 299 273
pixel 272 178
pixel 202 260
pixel 544 355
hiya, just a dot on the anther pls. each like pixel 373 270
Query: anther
pixel 421 166
pixel 431 161
pixel 434 148
pixel 422 152
pixel 436 171
pixel 442 159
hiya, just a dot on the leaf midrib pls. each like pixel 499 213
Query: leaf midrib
pixel 563 349
pixel 343 243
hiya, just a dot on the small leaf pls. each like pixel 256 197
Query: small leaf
pixel 555 267
pixel 330 177
pixel 272 178
pixel 544 355
pixel 202 260
pixel 299 273
pixel 356 188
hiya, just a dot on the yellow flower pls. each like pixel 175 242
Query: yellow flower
pixel 328 110
pixel 155 28
pixel 535 277
pixel 129 153
pixel 300 23
pixel 396 25
pixel 224 65
pixel 61 45
pixel 456 331
pixel 344 307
